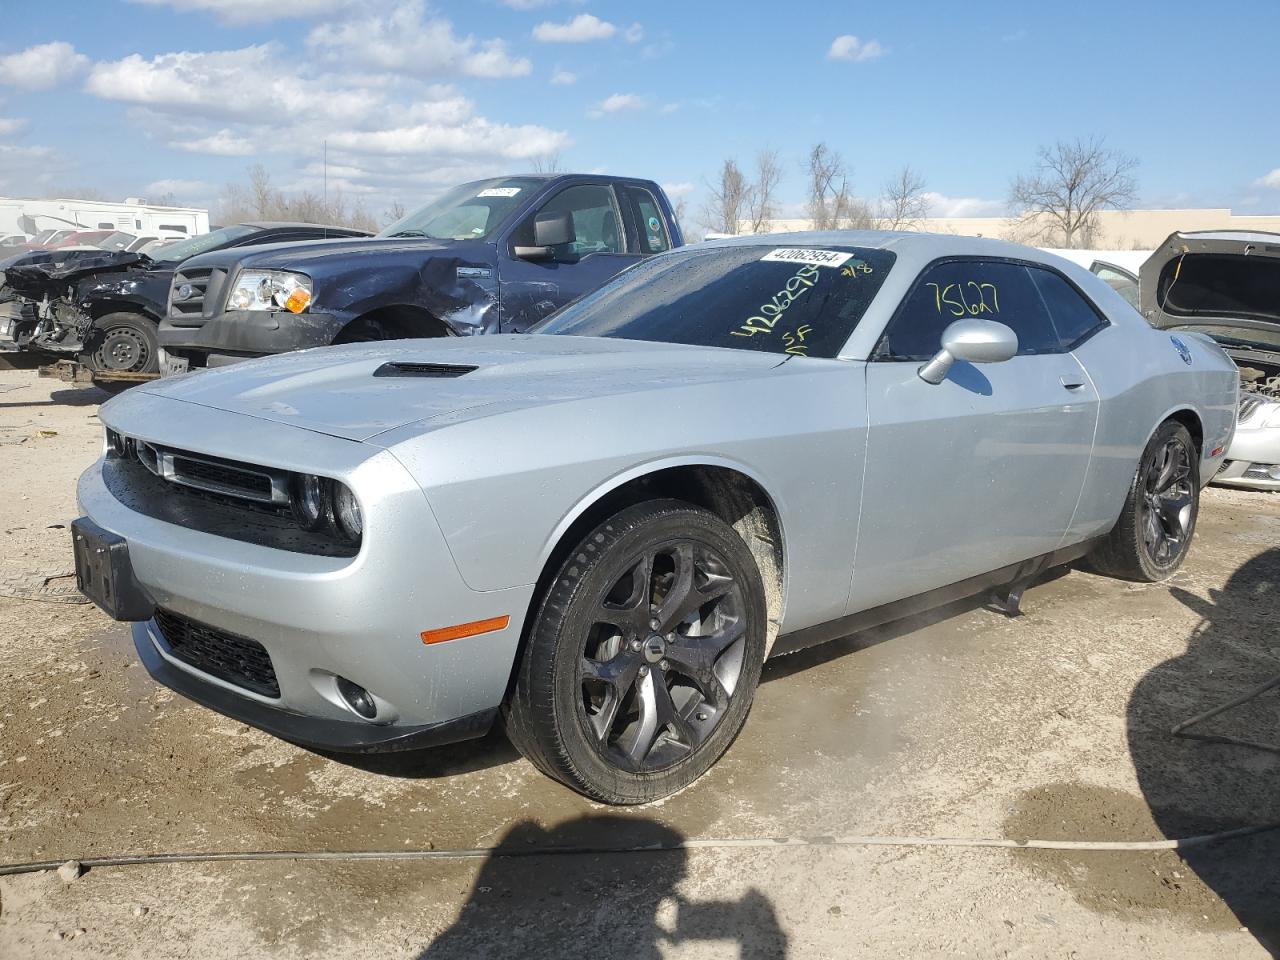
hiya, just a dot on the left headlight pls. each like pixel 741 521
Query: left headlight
pixel 270 290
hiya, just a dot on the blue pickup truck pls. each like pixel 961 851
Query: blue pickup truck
pixel 493 256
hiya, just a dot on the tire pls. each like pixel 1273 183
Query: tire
pixel 1151 539
pixel 122 343
pixel 614 708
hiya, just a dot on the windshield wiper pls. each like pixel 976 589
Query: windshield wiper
pixel 408 233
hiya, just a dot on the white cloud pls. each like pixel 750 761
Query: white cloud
pixel 224 143
pixel 670 107
pixel 252 11
pixel 1271 180
pixel 580 29
pixel 403 41
pixel 474 137
pixel 9 125
pixel 634 33
pixel 42 67
pixel 848 47
pixel 674 190
pixel 617 103
pixel 940 205
pixel 179 188
pixel 563 78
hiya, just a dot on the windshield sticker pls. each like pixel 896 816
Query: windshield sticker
pixel 498 192
pixel 654 225
pixel 953 296
pixel 818 258
pixel 769 312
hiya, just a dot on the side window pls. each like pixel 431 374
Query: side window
pixel 960 289
pixel 1121 283
pixel 175 227
pixel 650 224
pixel 1074 318
pixel 106 226
pixel 595 220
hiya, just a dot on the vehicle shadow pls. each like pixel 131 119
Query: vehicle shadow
pixel 77 397
pixel 1193 787
pixel 530 905
pixel 430 763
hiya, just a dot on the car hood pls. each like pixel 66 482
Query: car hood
pixel 48 271
pixel 314 256
pixel 1224 283
pixel 359 391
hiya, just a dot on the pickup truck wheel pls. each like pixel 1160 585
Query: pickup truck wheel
pixel 122 343
pixel 644 655
pixel 1151 539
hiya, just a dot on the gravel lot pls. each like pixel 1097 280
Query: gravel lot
pixel 962 723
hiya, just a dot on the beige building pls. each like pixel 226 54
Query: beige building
pixel 1117 229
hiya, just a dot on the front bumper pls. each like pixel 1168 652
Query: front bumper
pixel 319 618
pixel 1253 459
pixel 241 334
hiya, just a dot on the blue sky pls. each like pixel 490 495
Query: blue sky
pixel 137 97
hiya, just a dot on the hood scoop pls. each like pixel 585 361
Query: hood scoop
pixel 438 371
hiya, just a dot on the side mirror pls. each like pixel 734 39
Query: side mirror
pixel 974 341
pixel 550 230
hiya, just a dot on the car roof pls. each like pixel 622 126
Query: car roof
pixel 918 246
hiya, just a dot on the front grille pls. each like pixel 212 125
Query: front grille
pixel 224 655
pixel 226 478
pixel 192 306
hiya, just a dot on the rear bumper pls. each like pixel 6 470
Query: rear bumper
pixel 248 333
pixel 316 733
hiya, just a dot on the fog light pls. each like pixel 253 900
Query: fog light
pixel 347 512
pixel 357 698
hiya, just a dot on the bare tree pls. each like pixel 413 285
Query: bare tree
pixel 761 206
pixel 727 201
pixel 680 210
pixel 75 193
pixel 1073 180
pixel 548 163
pixel 832 205
pixel 262 195
pixel 903 203
pixel 164 200
pixel 261 200
pixel 393 213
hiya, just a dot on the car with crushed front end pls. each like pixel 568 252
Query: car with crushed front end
pixel 599 530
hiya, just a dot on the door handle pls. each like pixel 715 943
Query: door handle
pixel 1071 382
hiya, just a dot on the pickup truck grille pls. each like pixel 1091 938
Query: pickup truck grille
pixel 203 286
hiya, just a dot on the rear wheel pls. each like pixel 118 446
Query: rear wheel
pixel 1151 539
pixel 643 656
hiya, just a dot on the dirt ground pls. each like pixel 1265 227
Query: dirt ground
pixel 962 723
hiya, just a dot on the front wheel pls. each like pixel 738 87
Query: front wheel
pixel 1151 539
pixel 122 343
pixel 643 656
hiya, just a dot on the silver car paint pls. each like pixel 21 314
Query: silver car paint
pixel 467 484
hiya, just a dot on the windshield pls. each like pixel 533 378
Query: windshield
pixel 792 300
pixel 185 249
pixel 116 241
pixel 472 211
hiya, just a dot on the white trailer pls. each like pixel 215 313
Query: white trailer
pixel 133 216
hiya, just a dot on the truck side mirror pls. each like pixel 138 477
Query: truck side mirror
pixel 550 230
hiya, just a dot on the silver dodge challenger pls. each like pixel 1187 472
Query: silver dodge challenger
pixel 598 531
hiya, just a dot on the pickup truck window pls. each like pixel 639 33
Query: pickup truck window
pixel 470 212
pixel 650 224
pixel 595 221
pixel 785 300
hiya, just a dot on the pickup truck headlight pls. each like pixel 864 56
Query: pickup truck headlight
pixel 270 290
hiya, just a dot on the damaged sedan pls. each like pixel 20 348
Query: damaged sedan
pixel 494 256
pixel 597 532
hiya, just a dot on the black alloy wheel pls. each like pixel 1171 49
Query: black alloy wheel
pixel 1153 533
pixel 643 655
pixel 1168 503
